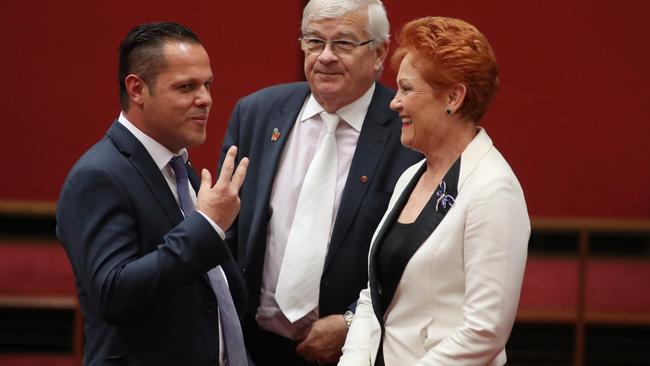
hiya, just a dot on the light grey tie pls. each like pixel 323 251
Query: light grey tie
pixel 233 340
pixel 232 334
pixel 298 286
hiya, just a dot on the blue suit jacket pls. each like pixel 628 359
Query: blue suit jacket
pixel 140 266
pixel 379 156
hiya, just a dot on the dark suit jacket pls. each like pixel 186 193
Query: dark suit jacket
pixel 379 156
pixel 140 266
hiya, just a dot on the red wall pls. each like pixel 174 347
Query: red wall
pixel 571 116
pixel 60 91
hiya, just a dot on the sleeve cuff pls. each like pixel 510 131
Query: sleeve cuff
pixel 216 227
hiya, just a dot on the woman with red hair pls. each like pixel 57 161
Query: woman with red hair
pixel 448 258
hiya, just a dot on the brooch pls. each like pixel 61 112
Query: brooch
pixel 444 199
pixel 275 135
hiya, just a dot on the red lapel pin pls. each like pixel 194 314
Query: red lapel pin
pixel 275 135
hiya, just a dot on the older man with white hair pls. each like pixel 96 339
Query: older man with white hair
pixel 324 157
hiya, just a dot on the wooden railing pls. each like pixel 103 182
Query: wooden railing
pixel 546 298
pixel 578 311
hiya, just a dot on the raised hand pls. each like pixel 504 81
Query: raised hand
pixel 220 201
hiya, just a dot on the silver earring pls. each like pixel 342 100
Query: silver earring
pixel 449 111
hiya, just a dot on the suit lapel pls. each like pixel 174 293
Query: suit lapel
pixel 138 156
pixel 375 287
pixel 427 222
pixel 370 146
pixel 284 121
pixel 195 181
pixel 148 170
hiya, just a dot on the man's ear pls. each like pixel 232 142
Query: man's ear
pixel 136 88
pixel 380 56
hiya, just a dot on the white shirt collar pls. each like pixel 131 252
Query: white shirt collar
pixel 160 154
pixel 353 113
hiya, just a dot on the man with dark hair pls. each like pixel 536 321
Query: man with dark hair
pixel 141 53
pixel 157 284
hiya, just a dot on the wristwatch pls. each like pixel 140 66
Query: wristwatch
pixel 348 317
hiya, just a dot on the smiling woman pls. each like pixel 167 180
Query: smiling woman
pixel 447 260
pixel 421 109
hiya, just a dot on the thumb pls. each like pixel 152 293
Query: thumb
pixel 206 180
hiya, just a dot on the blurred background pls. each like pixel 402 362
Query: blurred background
pixel 571 118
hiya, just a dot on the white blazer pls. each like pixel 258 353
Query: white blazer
pixel 457 298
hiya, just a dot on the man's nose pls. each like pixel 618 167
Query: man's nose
pixel 327 54
pixel 204 98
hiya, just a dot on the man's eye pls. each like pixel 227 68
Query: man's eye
pixel 315 42
pixel 344 45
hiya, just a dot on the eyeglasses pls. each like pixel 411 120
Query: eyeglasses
pixel 339 46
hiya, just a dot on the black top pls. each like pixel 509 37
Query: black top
pixel 400 241
pixel 396 243
pixel 392 258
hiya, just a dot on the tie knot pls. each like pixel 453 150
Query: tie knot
pixel 178 166
pixel 331 121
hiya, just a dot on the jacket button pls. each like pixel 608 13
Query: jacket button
pixel 211 307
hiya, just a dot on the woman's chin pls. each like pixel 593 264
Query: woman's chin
pixel 407 141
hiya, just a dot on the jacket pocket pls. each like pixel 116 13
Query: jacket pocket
pixel 427 336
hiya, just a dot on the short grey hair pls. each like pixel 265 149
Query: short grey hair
pixel 378 27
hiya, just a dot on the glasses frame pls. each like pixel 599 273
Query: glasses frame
pixel 333 44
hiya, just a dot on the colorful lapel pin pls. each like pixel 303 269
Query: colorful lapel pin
pixel 275 135
pixel 364 178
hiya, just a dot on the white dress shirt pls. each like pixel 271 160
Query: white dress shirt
pixel 301 146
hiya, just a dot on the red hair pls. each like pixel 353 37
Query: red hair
pixel 447 51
